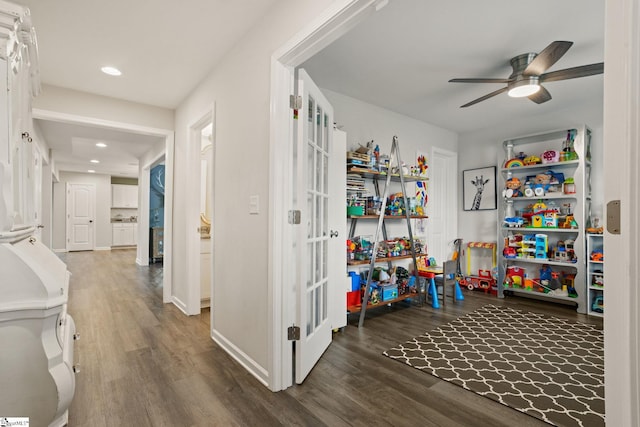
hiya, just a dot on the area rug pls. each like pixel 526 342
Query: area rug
pixel 547 367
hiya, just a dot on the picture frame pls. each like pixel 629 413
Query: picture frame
pixel 479 191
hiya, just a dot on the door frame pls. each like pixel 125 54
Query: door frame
pixel 143 232
pixel 194 178
pixel 621 157
pixel 330 25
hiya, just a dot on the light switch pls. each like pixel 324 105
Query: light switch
pixel 254 205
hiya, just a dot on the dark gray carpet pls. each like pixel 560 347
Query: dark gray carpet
pixel 547 367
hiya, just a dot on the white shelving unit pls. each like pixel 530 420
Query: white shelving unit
pixel 595 274
pixel 563 255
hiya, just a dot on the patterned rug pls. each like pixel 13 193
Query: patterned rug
pixel 547 367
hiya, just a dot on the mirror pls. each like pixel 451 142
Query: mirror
pixel 206 169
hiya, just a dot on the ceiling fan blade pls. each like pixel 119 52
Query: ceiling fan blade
pixel 545 59
pixel 573 73
pixel 542 95
pixel 479 81
pixel 487 96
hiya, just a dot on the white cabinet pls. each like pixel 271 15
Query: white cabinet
pixel 124 196
pixel 124 234
pixel 595 274
pixel 20 83
pixel 542 216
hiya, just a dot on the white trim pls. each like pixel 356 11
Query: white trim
pixel 192 207
pixel 182 306
pixel 95 122
pixel 102 248
pixel 241 357
pixel 327 27
pixel 621 157
pixel 144 190
pixel 167 277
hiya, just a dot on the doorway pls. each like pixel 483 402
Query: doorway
pixel 200 218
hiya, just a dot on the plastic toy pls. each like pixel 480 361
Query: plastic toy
pixel 514 221
pixel 484 279
pixel 513 163
pixel 598 304
pixel 532 160
pixel 550 156
pixel 597 255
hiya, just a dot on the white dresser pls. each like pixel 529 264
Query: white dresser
pixel 37 334
pixel 37 377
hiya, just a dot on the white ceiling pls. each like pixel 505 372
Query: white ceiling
pixel 401 58
pixel 404 55
pixel 164 48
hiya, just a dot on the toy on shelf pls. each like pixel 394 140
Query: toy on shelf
pixel 598 304
pixel 513 188
pixel 597 255
pixel 564 251
pixel 532 160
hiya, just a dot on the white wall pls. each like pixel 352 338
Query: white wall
pixel 365 122
pixel 102 214
pixel 240 88
pixel 67 101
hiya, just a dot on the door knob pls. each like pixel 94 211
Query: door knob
pixel 333 234
pixel 90 221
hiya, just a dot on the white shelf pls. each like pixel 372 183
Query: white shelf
pixel 544 166
pixel 594 270
pixel 541 261
pixel 548 196
pixel 580 171
pixel 540 229
pixel 541 295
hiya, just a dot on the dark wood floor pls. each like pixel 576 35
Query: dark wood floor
pixel 144 363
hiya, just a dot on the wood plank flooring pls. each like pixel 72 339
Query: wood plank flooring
pixel 144 363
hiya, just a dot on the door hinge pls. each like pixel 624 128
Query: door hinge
pixel 293 333
pixel 295 102
pixel 294 217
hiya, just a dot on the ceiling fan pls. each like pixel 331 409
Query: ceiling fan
pixel 529 74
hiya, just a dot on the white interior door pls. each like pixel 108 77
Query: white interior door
pixel 80 217
pixel 314 141
pixel 442 206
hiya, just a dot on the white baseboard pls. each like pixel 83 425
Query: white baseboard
pixel 102 248
pixel 59 251
pixel 248 363
pixel 181 305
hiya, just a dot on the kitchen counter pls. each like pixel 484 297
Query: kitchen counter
pixel 126 220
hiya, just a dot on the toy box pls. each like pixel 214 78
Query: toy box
pixel 389 292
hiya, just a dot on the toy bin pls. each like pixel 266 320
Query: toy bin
pixel 389 292
pixel 355 281
pixel 354 298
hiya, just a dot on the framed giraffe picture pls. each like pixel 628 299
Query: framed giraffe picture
pixel 479 189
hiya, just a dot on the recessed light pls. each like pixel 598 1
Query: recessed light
pixel 94 161
pixel 112 71
pixel 101 145
pixel 91 171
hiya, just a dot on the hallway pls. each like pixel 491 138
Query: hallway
pixel 144 363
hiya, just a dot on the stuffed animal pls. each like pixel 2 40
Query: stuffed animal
pixel 513 188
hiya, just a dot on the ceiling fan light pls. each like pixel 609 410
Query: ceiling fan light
pixel 525 87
